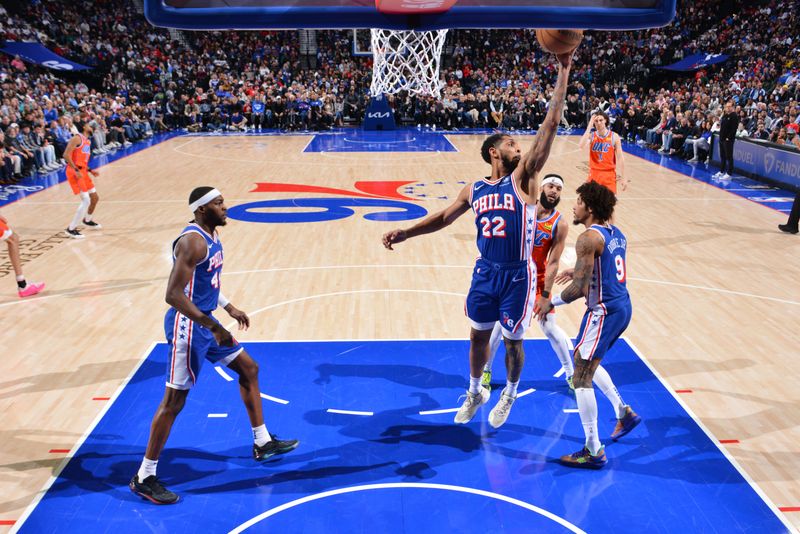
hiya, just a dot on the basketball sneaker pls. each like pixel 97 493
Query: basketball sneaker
pixel 486 381
pixel 627 423
pixel 585 459
pixel 74 234
pixel 788 228
pixel 30 289
pixel 152 490
pixel 570 384
pixel 471 405
pixel 500 412
pixel 92 224
pixel 273 447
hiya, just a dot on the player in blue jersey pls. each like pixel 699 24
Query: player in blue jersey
pixel 504 278
pixel 195 335
pixel 600 275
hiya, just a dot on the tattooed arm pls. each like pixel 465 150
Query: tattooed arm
pixel 589 245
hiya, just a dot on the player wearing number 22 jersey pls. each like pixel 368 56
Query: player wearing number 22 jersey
pixel 504 278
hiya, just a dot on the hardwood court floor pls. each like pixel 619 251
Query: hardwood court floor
pixel 714 287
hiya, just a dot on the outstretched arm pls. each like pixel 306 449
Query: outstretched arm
pixel 533 161
pixel 432 223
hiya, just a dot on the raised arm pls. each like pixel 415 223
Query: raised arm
pixel 432 223
pixel 533 161
pixel 587 135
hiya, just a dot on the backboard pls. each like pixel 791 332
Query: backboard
pixel 419 14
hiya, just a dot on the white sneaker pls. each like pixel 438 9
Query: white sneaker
pixel 471 405
pixel 500 412
pixel 693 160
pixel 725 176
pixel 717 174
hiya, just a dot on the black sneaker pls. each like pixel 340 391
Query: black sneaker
pixel 152 490
pixel 92 224
pixel 788 229
pixel 75 234
pixel 273 447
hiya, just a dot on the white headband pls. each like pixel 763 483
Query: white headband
pixel 205 199
pixel 553 179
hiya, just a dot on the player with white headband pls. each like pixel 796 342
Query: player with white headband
pixel 194 335
pixel 550 236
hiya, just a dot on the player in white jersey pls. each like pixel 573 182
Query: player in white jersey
pixel 504 279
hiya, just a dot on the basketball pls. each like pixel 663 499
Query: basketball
pixel 559 41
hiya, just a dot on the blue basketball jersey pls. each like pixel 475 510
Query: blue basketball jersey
pixel 203 288
pixel 505 223
pixel 608 290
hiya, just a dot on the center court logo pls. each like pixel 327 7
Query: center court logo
pixel 380 200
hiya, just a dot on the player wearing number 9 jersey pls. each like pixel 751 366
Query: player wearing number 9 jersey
pixel 504 278
pixel 600 275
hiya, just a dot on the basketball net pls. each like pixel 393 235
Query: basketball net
pixel 406 60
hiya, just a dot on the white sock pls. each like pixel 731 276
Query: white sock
pixel 79 214
pixel 603 380
pixel 511 388
pixel 561 343
pixel 494 345
pixel 587 408
pixel 474 385
pixel 88 217
pixel 260 435
pixel 148 468
pixel 20 278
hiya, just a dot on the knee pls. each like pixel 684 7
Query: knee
pixel 479 336
pixel 13 240
pixel 173 406
pixel 513 346
pixel 94 197
pixel 249 371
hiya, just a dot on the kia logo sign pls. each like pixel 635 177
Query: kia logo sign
pixel 379 115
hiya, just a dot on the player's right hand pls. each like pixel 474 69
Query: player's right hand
pixel 565 276
pixel 566 59
pixel 223 337
pixel 395 236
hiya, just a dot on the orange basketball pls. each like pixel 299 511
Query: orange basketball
pixel 559 41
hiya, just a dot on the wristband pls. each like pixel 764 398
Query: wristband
pixel 557 300
pixel 545 293
pixel 222 301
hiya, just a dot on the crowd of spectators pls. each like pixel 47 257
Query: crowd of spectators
pixel 145 80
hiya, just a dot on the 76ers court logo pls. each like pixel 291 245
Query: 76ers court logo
pixel 380 200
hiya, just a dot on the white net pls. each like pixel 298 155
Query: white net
pixel 406 60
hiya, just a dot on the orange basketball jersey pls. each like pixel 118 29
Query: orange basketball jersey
pixel 82 152
pixel 542 242
pixel 602 158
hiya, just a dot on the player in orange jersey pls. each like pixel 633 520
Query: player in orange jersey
pixel 24 288
pixel 548 244
pixel 606 159
pixel 77 155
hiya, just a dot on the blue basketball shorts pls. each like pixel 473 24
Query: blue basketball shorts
pixel 504 292
pixel 190 344
pixel 601 328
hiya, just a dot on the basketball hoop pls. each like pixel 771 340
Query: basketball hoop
pixel 406 60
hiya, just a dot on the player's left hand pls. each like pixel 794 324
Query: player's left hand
pixel 623 184
pixel 240 316
pixel 94 172
pixel 543 307
pixel 565 60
